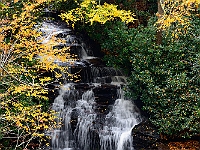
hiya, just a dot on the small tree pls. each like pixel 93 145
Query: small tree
pixel 24 113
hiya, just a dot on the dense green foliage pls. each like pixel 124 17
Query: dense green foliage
pixel 165 77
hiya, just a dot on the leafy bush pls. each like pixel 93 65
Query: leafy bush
pixel 164 77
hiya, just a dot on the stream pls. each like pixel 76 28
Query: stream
pixel 95 113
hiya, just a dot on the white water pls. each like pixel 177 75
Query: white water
pixel 85 119
pixel 115 133
pixel 92 131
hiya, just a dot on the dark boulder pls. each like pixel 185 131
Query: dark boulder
pixel 146 137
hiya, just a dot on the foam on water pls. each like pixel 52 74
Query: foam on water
pixel 91 129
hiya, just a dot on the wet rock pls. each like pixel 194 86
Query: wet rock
pixel 105 94
pixel 146 137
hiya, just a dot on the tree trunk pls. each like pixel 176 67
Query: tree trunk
pixel 159 14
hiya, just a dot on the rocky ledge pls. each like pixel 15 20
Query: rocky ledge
pixel 146 137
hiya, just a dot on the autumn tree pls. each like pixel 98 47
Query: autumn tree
pixel 24 113
pixel 175 15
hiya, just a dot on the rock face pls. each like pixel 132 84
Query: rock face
pixel 146 137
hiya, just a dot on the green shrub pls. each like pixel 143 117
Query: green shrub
pixel 164 77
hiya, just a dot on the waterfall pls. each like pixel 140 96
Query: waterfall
pixel 113 134
pixel 94 112
pixel 116 133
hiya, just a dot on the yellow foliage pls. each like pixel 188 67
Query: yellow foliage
pixel 177 12
pixel 20 51
pixel 20 76
pixel 28 119
pixel 89 12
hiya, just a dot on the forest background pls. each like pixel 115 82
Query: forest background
pixel 156 42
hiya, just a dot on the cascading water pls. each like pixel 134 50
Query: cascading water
pixel 120 120
pixel 94 112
